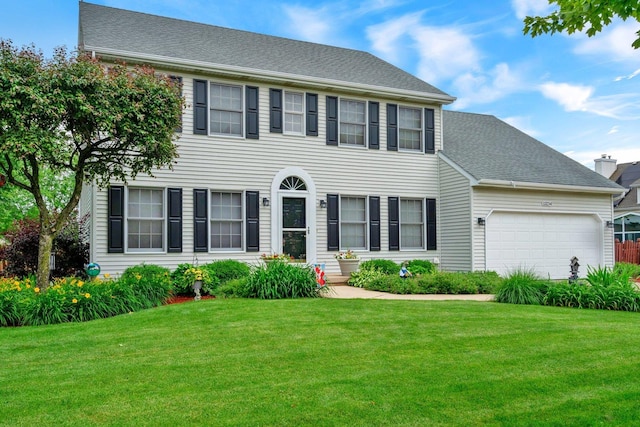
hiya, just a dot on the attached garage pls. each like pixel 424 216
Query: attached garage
pixel 544 242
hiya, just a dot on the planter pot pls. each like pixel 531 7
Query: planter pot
pixel 197 286
pixel 348 266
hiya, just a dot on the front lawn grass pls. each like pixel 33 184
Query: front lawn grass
pixel 331 362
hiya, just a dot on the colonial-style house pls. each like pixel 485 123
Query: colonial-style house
pixel 307 149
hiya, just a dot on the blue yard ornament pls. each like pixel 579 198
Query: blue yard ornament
pixel 92 269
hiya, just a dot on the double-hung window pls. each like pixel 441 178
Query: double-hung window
pixel 226 221
pixel 410 129
pixel 226 108
pixel 353 222
pixel 293 113
pixel 412 224
pixel 145 220
pixel 352 122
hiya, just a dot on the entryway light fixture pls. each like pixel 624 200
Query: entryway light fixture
pixel 265 201
pixel 323 203
pixel 481 221
pixel 609 224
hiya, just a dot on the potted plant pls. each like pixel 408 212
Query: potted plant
pixel 196 276
pixel 268 258
pixel 348 262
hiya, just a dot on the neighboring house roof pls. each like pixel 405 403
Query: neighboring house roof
pixel 494 153
pixel 628 176
pixel 122 33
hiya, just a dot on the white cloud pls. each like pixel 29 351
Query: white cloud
pixel 386 37
pixel 487 87
pixel 523 124
pixel 629 77
pixel 613 130
pixel 614 42
pixel 309 24
pixel 571 97
pixel 524 8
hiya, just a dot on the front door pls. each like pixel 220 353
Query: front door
pixel 294 227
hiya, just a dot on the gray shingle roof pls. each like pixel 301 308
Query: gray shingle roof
pixel 488 148
pixel 103 27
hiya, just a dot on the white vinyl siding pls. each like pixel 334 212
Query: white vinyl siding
pixel 410 129
pixel 411 224
pixel 226 107
pixel 353 222
pixel 352 122
pixel 145 220
pixel 226 221
pixel 293 113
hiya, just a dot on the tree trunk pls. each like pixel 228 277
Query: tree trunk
pixel 45 245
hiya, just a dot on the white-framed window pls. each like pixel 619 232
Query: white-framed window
pixel 225 109
pixel 353 222
pixel 410 129
pixel 227 221
pixel 353 120
pixel 145 219
pixel 293 113
pixel 412 223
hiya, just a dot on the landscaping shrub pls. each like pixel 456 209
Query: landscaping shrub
pixel 487 282
pixel 234 288
pixel 521 286
pixel 150 284
pixel 622 296
pixel 21 253
pixel 627 269
pixel 386 266
pixel 280 279
pixel 605 276
pixel 228 269
pixel 362 278
pixel 420 266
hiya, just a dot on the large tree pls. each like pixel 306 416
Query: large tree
pixel 576 15
pixel 73 115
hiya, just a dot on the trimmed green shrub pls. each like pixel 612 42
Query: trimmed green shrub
pixel 234 288
pixel 385 266
pixel 279 279
pixel 228 269
pixel 420 266
pixel 487 282
pixel 151 284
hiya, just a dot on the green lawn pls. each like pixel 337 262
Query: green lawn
pixel 326 362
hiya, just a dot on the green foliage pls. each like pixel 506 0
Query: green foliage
pixel 234 288
pixel 604 296
pixel 578 15
pixel 521 286
pixel 441 282
pixel 228 269
pixel 363 277
pixel 151 284
pixel 279 279
pixel 184 275
pixel 487 282
pixel 605 276
pixel 386 266
pixel 76 118
pixel 627 269
pixel 420 266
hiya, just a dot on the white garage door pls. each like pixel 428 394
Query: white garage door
pixel 544 242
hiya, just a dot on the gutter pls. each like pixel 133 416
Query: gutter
pixel 495 183
pixel 279 77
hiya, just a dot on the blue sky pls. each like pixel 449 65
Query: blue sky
pixel 577 94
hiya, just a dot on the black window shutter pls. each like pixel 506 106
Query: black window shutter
pixel 174 220
pixel 312 114
pixel 392 127
pixel 374 125
pixel 252 113
pixel 374 223
pixel 253 221
pixel 116 220
pixel 430 133
pixel 200 222
pixel 332 120
pixel 431 224
pixel 394 224
pixel 333 223
pixel 275 107
pixel 200 107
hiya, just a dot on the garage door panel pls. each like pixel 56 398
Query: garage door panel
pixel 544 242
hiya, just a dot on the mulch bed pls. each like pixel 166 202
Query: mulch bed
pixel 182 299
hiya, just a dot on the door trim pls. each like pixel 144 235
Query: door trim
pixel 276 210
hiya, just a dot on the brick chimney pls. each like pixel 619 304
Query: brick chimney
pixel 605 165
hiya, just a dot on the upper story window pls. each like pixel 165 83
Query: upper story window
pixel 410 129
pixel 145 220
pixel 226 108
pixel 352 122
pixel 293 113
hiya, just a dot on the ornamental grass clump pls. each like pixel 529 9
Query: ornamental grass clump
pixel 151 284
pixel 521 286
pixel 279 279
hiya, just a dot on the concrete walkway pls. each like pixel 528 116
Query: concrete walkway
pixel 350 292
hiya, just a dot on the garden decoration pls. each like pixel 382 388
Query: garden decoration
pixel 573 264
pixel 348 262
